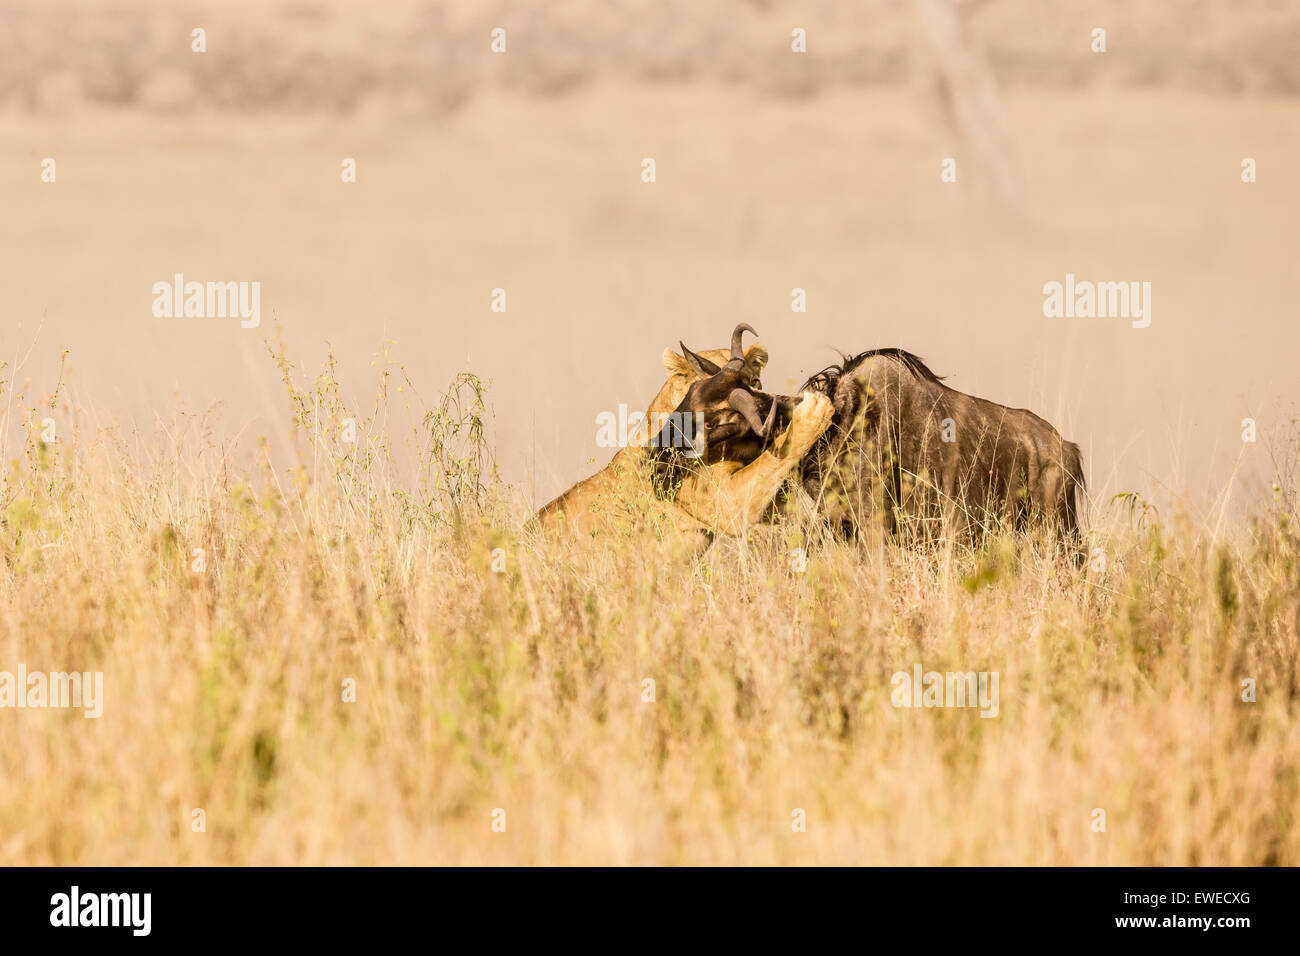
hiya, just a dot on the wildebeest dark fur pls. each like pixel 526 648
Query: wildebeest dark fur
pixel 911 455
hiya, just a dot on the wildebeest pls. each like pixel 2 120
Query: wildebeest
pixel 724 416
pixel 720 478
pixel 910 455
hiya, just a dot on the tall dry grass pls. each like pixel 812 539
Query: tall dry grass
pixel 523 690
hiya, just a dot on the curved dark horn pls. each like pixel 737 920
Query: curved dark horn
pixel 737 353
pixel 743 402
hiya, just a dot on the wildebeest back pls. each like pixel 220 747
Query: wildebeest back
pixel 908 453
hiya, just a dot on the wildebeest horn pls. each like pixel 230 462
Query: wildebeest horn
pixel 743 402
pixel 771 417
pixel 737 353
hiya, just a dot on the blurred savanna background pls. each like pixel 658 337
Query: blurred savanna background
pixel 321 562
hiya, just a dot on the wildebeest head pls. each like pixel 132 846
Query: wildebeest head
pixel 724 414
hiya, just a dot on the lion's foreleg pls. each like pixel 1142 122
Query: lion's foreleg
pixel 729 497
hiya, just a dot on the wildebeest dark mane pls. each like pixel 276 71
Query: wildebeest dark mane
pixel 826 380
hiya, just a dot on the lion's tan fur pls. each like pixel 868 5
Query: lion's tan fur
pixel 726 497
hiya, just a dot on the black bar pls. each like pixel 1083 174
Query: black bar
pixel 932 906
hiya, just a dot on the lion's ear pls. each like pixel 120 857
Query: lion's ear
pixel 675 364
pixel 756 357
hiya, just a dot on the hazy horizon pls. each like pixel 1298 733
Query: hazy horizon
pixel 765 182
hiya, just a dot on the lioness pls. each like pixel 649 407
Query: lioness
pixel 720 480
